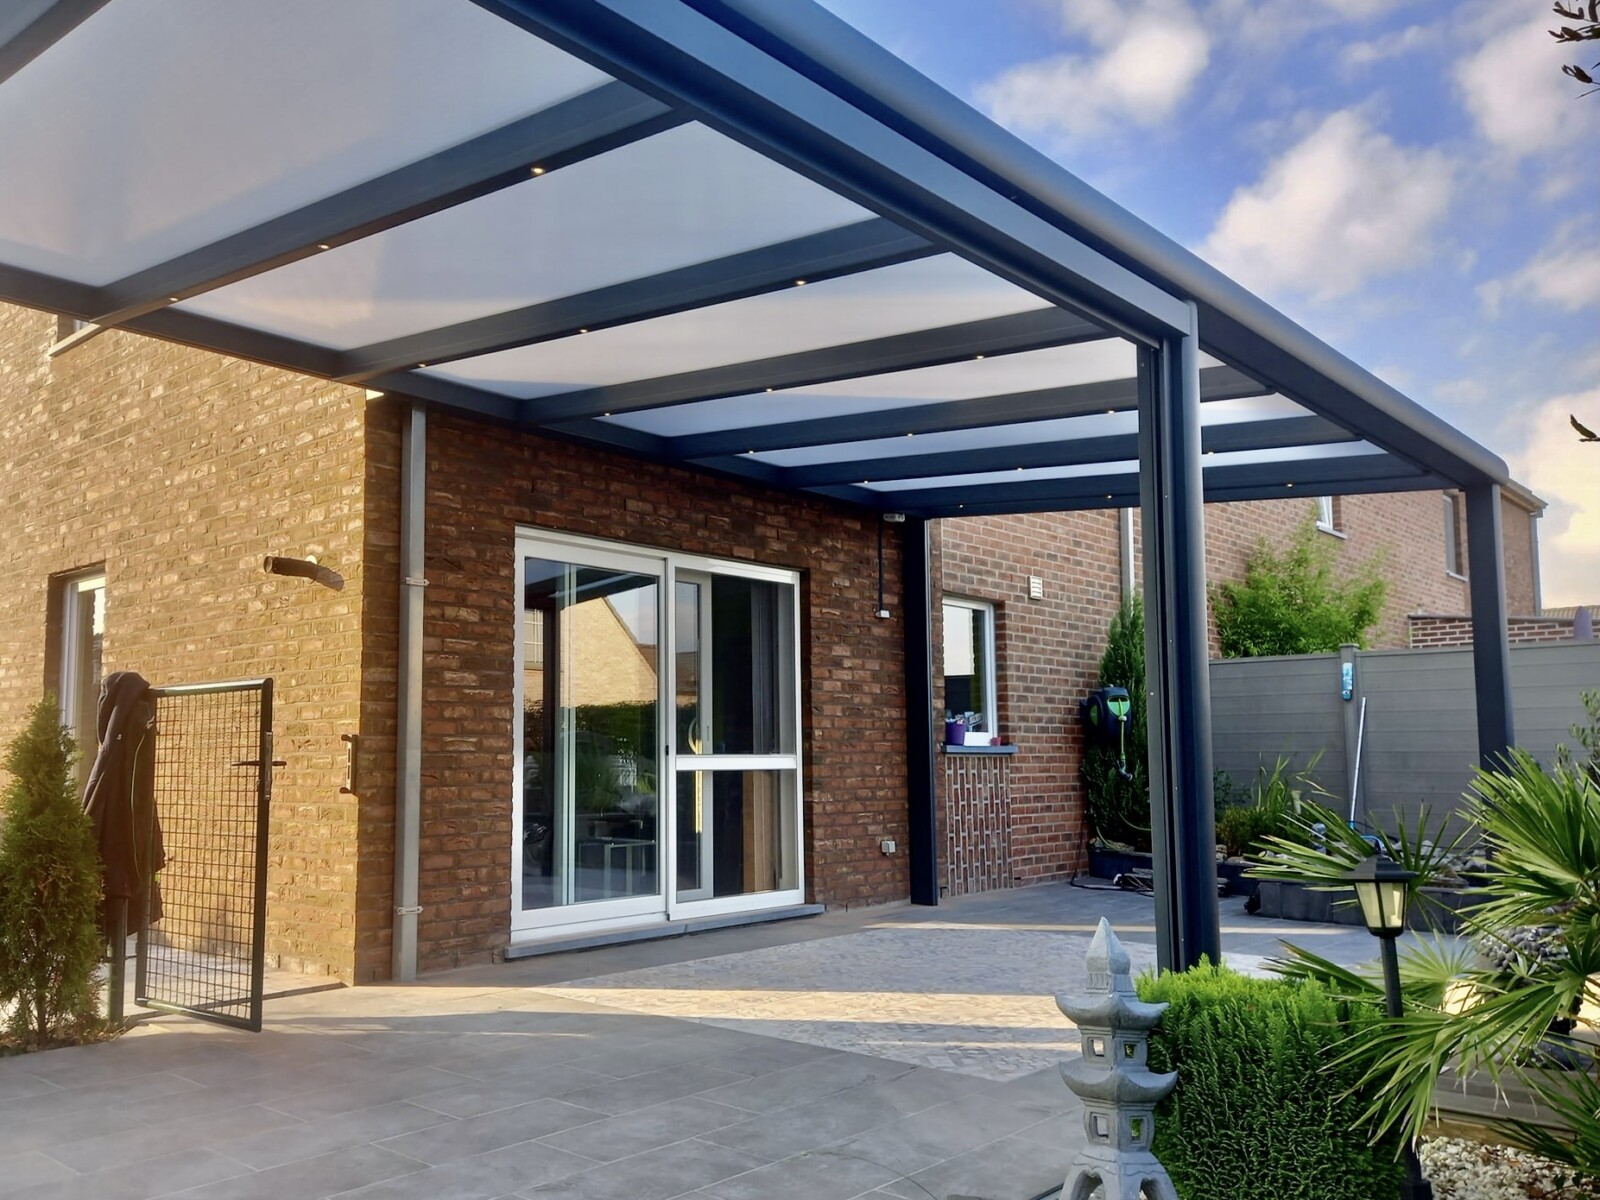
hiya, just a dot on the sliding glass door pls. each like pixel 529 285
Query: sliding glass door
pixel 656 717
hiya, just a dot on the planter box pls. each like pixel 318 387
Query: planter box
pixel 1298 902
pixel 1108 864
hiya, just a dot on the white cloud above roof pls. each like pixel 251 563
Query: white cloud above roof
pixel 1341 207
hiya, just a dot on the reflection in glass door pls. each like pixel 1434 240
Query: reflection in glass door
pixel 590 782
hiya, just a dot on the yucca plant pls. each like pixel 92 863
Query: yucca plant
pixel 1542 832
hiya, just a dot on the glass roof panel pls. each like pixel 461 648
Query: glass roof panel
pixel 681 197
pixel 1085 362
pixel 158 126
pixel 927 294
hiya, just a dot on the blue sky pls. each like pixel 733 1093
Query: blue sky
pixel 1415 183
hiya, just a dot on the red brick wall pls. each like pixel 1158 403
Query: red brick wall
pixel 179 471
pixel 1427 630
pixel 482 484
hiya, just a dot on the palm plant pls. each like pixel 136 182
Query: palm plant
pixel 1542 832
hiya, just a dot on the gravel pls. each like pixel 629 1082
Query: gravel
pixel 1463 1170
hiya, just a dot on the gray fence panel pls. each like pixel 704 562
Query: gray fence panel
pixel 1420 745
pixel 1264 708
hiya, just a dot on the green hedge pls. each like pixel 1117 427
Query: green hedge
pixel 1259 1112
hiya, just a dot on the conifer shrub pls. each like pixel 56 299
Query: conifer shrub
pixel 49 888
pixel 1119 808
pixel 1262 1108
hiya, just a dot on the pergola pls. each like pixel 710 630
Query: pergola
pixel 734 235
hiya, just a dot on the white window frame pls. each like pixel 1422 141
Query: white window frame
pixel 991 712
pixel 598 916
pixel 77 593
pixel 1325 516
pixel 1452 537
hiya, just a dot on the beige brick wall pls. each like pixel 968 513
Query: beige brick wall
pixel 179 471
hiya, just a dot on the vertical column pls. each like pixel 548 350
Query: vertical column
pixel 1491 650
pixel 408 698
pixel 921 793
pixel 1177 670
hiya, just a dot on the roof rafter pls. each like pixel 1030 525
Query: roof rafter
pixel 54 21
pixel 830 253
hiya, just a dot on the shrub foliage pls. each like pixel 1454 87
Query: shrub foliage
pixel 49 886
pixel 1262 1107
pixel 1119 809
pixel 1294 603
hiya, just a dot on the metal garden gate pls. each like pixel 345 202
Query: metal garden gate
pixel 202 930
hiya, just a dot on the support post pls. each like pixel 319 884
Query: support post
pixel 1491 649
pixel 921 793
pixel 408 702
pixel 1177 669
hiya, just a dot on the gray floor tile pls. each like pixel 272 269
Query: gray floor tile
pixel 655 1175
pixel 141 1180
pixel 646 1128
pixel 819 1175
pixel 927 1138
pixel 498 1173
pixel 308 1139
pixel 490 1131
pixel 810 1081
pixel 19 1172
pixel 384 1089
pixel 484 1096
pixel 201 1129
pixel 1007 1169
pixel 20 1085
pixel 19 1137
pixel 313 1178
pixel 641 1091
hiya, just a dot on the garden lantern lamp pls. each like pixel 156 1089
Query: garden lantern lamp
pixel 1381 889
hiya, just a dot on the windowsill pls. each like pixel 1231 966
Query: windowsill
pixel 1454 575
pixel 1332 532
pixel 949 749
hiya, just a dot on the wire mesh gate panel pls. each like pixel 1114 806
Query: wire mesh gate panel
pixel 977 823
pixel 202 939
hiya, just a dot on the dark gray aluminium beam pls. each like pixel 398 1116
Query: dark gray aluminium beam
pixel 1066 452
pixel 824 255
pixel 49 23
pixel 1177 689
pixel 1236 326
pixel 1045 404
pixel 589 124
pixel 1491 649
pixel 667 48
pixel 1032 330
pixel 922 795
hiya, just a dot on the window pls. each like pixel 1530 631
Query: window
pixel 1452 536
pixel 969 675
pixel 1327 515
pixel 83 623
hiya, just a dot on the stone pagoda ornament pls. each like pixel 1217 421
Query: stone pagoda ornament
pixel 1114 1081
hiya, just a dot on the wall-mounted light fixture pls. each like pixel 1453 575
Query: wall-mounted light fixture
pixel 303 568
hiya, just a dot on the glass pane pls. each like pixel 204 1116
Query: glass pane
pixel 741 841
pixel 86 631
pixel 750 679
pixel 590 757
pixel 686 618
pixel 966 666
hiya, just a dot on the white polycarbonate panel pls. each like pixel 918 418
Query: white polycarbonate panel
pixel 1292 454
pixel 681 197
pixel 1080 471
pixel 158 126
pixel 995 375
pixel 926 294
pixel 1029 433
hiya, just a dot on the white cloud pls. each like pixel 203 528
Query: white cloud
pixel 1562 470
pixel 1341 207
pixel 1386 46
pixel 1514 89
pixel 1145 59
pixel 1566 273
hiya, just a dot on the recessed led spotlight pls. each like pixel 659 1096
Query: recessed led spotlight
pixel 538 171
pixel 799 283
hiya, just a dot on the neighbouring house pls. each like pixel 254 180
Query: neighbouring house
pixel 630 372
pixel 1026 601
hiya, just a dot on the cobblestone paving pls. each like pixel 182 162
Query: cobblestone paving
pixel 968 998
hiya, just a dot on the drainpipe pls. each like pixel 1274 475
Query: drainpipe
pixel 1125 532
pixel 408 700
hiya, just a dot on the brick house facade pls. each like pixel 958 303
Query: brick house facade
pixel 171 472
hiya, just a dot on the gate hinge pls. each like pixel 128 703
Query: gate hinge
pixel 406 910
